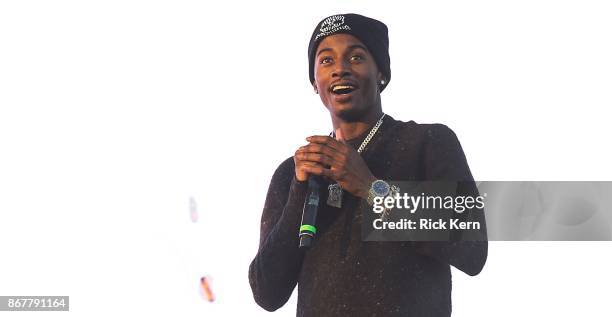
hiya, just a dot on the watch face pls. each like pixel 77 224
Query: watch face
pixel 380 188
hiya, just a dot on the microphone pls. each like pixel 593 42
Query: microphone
pixel 309 213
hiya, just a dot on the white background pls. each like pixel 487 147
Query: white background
pixel 114 113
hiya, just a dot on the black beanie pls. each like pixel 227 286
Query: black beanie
pixel 372 33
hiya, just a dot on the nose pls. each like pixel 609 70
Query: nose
pixel 341 70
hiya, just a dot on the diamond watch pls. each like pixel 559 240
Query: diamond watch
pixel 380 188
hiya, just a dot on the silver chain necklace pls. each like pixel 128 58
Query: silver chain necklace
pixel 334 198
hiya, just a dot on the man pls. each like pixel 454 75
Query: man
pixel 341 275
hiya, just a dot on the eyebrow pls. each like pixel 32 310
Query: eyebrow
pixel 352 47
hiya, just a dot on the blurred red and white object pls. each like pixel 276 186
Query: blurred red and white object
pixel 206 289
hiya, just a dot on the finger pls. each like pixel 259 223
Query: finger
pixel 320 149
pixel 323 139
pixel 315 157
pixel 319 170
pixel 303 164
pixel 300 173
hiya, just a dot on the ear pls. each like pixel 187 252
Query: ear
pixel 380 81
pixel 380 78
pixel 314 86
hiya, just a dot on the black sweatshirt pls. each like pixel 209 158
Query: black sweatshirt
pixel 341 275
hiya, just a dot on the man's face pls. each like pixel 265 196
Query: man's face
pixel 346 76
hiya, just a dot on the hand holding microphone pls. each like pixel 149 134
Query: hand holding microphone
pixel 333 159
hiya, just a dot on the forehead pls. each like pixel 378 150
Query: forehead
pixel 339 42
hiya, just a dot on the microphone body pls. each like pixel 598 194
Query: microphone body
pixel 308 228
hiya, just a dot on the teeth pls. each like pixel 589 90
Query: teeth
pixel 336 88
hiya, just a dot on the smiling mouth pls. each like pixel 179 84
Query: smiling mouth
pixel 343 89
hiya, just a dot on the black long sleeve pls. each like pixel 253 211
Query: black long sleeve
pixel 273 273
pixel 445 161
pixel 343 275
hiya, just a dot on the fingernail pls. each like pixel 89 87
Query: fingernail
pixel 308 139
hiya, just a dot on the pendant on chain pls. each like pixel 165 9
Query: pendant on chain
pixel 335 196
pixel 335 191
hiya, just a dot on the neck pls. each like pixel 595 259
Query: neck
pixel 353 129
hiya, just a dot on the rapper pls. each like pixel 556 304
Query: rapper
pixel 367 149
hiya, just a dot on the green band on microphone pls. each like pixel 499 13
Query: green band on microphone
pixel 308 228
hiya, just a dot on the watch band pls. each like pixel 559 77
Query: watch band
pixel 392 191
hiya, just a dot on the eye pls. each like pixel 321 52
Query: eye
pixel 356 58
pixel 325 60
